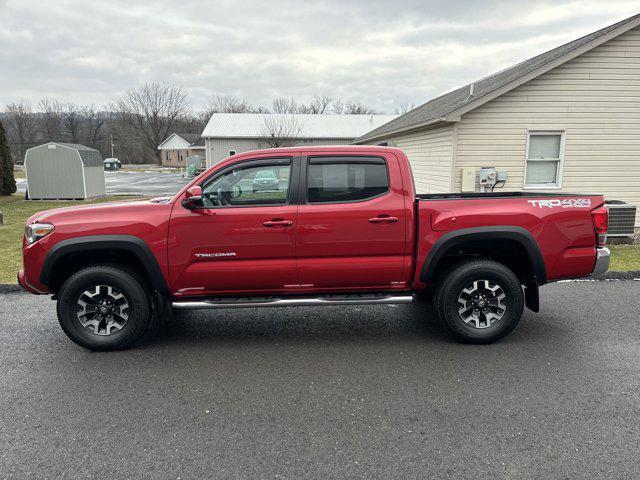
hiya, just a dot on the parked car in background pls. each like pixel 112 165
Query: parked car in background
pixel 345 228
pixel 265 180
pixel 112 164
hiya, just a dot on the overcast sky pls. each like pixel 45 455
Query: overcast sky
pixel 381 52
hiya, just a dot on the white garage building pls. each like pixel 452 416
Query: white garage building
pixel 229 133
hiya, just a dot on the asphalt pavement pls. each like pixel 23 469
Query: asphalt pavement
pixel 136 183
pixel 333 392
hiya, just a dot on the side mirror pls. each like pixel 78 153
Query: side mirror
pixel 193 198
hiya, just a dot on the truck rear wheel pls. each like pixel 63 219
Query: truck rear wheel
pixel 103 308
pixel 479 301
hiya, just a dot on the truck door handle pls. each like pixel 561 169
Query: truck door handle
pixel 276 222
pixel 383 219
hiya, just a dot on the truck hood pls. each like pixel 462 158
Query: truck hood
pixel 125 209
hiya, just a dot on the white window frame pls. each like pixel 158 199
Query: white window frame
pixel 560 167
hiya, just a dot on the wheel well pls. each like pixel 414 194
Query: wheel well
pixel 510 253
pixel 73 262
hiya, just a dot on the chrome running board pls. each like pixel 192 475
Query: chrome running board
pixel 325 300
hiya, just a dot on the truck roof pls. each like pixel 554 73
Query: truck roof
pixel 323 148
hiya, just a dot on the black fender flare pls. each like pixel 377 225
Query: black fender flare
pixel 457 237
pixel 129 243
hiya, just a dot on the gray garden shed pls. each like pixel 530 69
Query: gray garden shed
pixel 64 171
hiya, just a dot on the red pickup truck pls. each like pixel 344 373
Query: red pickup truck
pixel 331 226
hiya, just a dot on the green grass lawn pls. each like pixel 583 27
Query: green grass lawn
pixel 18 174
pixel 625 258
pixel 16 210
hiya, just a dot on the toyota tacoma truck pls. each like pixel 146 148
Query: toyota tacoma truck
pixel 337 226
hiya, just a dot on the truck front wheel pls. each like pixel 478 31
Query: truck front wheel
pixel 103 308
pixel 480 301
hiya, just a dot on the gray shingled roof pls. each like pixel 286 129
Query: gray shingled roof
pixel 194 139
pixel 199 142
pixel 90 156
pixel 449 102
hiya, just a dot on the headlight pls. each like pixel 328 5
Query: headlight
pixel 36 231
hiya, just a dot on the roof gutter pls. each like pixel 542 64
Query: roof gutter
pixel 410 128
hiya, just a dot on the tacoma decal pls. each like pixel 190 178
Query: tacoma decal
pixel 215 255
pixel 564 203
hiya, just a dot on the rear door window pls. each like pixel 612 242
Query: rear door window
pixel 346 179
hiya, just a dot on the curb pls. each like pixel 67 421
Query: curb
pixel 10 288
pixel 631 275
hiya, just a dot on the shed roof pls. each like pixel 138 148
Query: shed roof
pixel 252 125
pixel 90 156
pixel 461 101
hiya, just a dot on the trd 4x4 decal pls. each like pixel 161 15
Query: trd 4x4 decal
pixel 564 203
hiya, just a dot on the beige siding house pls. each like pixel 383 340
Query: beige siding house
pixel 565 121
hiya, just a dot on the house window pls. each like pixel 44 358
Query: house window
pixel 232 152
pixel 545 154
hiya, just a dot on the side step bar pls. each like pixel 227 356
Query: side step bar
pixel 254 302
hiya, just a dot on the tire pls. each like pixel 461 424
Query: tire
pixel 492 295
pixel 126 309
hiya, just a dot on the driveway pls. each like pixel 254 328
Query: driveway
pixel 136 183
pixel 337 392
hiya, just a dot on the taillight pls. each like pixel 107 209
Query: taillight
pixel 600 222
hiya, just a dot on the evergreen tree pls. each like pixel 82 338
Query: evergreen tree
pixel 7 181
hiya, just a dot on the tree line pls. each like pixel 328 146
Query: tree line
pixel 134 124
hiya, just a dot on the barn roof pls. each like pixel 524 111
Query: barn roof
pixel 475 94
pixel 90 156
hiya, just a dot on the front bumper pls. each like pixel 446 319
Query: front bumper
pixel 603 258
pixel 23 283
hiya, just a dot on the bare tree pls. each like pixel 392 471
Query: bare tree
pixel 404 108
pixel 318 105
pixel 51 120
pixel 94 126
pixel 280 130
pixel 151 112
pixel 357 108
pixel 284 105
pixel 228 104
pixel 21 128
pixel 338 107
pixel 72 122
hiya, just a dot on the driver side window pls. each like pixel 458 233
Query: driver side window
pixel 254 185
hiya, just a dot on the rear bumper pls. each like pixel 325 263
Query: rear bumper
pixel 603 257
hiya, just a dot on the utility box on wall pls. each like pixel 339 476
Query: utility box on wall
pixel 468 179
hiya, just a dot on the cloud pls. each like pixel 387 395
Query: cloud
pixel 380 52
